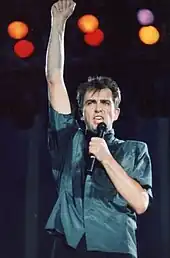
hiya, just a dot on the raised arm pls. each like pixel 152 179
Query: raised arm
pixel 57 92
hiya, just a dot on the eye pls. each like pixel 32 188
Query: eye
pixel 89 102
pixel 106 102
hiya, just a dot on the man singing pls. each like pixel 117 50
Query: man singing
pixel 97 203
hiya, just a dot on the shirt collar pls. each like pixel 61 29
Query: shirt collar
pixel 109 136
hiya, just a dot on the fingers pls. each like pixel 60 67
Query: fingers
pixel 68 4
pixel 96 139
pixel 93 150
pixel 95 143
pixel 63 8
pixel 63 5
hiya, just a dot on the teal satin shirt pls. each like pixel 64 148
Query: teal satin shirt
pixel 102 214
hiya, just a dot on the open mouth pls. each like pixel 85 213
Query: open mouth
pixel 98 119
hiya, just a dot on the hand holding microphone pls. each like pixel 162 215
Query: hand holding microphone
pixel 98 148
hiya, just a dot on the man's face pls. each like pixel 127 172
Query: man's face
pixel 99 107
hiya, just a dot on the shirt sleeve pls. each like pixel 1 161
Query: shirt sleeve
pixel 142 172
pixel 61 128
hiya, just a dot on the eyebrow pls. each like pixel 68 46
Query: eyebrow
pixel 94 100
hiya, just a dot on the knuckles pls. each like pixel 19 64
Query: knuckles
pixel 97 140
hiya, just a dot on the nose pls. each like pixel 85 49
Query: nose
pixel 98 107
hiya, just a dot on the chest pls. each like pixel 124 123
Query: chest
pixel 77 157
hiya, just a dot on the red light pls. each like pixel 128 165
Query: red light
pixel 24 48
pixel 95 38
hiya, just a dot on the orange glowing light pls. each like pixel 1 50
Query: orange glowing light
pixel 149 35
pixel 17 30
pixel 88 23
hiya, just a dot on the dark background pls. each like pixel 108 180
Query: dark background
pixel 142 72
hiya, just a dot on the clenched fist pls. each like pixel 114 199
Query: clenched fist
pixel 98 147
pixel 63 9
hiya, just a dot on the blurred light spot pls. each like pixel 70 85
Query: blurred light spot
pixel 145 17
pixel 17 30
pixel 95 38
pixel 24 48
pixel 88 23
pixel 149 35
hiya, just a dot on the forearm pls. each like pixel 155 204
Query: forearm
pixel 55 51
pixel 128 188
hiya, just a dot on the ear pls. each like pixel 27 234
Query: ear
pixel 117 113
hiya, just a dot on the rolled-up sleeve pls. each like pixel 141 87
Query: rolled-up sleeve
pixel 143 169
pixel 61 128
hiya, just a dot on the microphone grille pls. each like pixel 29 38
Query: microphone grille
pixel 101 127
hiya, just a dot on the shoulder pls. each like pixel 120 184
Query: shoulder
pixel 58 121
pixel 54 113
pixel 132 145
pixel 137 144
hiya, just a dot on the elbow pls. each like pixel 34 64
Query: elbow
pixel 143 205
pixel 141 210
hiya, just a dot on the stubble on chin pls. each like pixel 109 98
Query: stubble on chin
pixel 91 128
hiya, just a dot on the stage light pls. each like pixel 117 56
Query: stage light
pixel 149 35
pixel 145 17
pixel 94 39
pixel 24 48
pixel 88 23
pixel 17 30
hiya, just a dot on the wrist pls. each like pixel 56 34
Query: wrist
pixel 58 19
pixel 107 160
pixel 58 27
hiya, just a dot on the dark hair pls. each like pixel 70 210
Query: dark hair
pixel 98 83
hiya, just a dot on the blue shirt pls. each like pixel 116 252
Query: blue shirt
pixel 102 214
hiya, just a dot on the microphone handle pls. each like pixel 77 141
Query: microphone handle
pixel 92 162
pixel 92 157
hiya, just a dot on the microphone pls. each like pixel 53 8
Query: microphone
pixel 101 129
